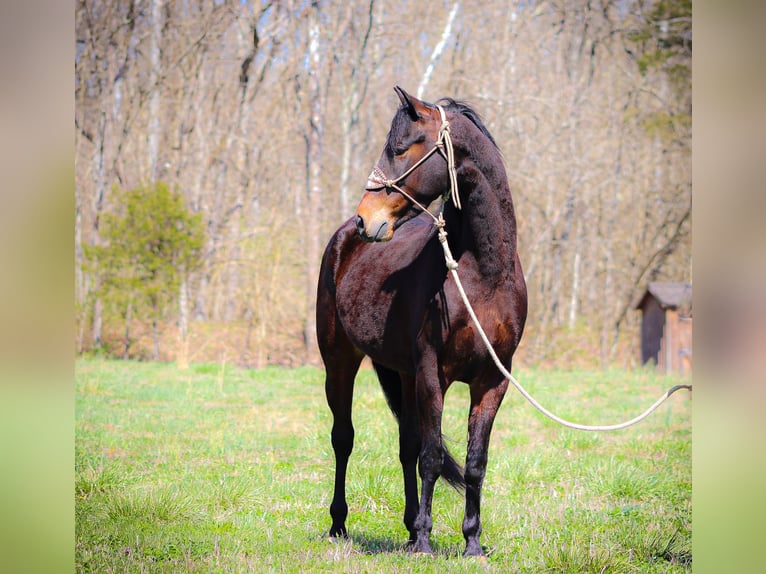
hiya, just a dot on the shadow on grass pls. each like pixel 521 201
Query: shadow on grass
pixel 376 544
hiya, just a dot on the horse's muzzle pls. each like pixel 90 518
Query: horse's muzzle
pixel 379 234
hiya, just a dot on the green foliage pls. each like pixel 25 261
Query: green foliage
pixel 150 242
pixel 664 43
pixel 665 34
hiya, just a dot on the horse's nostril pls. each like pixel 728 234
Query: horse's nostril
pixel 360 224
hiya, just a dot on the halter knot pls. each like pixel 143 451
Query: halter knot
pixel 449 260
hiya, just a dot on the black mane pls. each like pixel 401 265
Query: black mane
pixel 401 119
pixel 465 109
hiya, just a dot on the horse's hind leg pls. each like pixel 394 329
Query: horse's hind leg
pixel 429 404
pixel 486 397
pixel 399 393
pixel 341 365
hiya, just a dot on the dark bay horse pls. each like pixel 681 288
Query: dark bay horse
pixel 384 291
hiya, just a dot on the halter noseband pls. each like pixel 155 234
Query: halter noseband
pixel 443 145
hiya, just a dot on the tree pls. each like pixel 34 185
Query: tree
pixel 662 48
pixel 664 41
pixel 149 247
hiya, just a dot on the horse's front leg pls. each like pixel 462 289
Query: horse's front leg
pixel 486 397
pixel 339 389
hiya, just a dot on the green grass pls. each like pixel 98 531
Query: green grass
pixel 229 470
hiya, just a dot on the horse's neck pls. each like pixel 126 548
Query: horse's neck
pixel 488 222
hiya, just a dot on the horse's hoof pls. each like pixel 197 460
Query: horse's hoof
pixel 475 551
pixel 415 548
pixel 339 532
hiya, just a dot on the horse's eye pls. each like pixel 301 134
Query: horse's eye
pixel 402 148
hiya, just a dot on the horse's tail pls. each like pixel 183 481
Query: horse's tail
pixel 452 472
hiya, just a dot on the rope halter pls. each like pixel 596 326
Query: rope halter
pixel 443 145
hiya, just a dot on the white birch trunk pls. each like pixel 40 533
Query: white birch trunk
pixel 154 100
pixel 438 49
pixel 314 158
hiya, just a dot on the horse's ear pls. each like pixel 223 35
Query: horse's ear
pixel 410 103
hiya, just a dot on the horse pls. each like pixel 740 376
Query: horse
pixel 384 291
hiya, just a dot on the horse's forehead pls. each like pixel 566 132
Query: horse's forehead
pixel 401 124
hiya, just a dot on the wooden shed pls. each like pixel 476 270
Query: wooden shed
pixel 666 326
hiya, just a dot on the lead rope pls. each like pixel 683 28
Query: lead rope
pixel 445 141
pixel 444 146
pixel 452 266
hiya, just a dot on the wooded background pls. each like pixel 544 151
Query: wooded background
pixel 266 118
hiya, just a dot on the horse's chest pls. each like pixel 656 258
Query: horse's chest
pixel 381 304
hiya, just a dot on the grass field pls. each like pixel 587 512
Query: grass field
pixel 217 469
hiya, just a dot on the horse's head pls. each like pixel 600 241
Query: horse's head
pixel 407 177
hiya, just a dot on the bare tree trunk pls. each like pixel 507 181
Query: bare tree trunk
pixel 98 316
pixel 438 49
pixel 574 298
pixel 98 201
pixel 509 70
pixel 314 159
pixel 198 138
pixel 155 331
pixel 345 166
pixel 79 277
pixel 352 97
pixel 128 320
pixel 610 206
pixel 154 100
pixel 183 320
